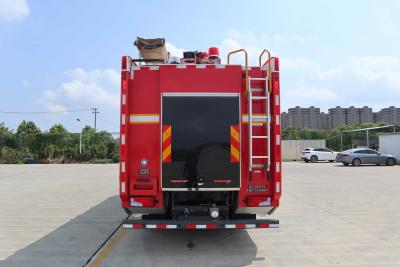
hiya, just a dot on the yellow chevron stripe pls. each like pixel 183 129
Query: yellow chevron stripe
pixel 166 152
pixel 166 134
pixel 234 152
pixel 234 134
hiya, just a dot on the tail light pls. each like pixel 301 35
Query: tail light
pixel 345 155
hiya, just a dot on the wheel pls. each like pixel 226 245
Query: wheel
pixel 306 160
pixel 331 161
pixel 314 159
pixel 356 162
pixel 390 162
pixel 345 163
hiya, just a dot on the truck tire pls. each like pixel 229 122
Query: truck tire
pixel 356 162
pixel 314 159
pixel 390 162
pixel 331 160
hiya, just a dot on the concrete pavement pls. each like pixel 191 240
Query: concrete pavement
pixel 57 215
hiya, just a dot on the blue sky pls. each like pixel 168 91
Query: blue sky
pixel 63 55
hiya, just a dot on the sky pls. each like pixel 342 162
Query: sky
pixel 63 56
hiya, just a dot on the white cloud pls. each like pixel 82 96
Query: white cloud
pixel 56 108
pixel 50 95
pixel 310 67
pixel 13 9
pixel 174 51
pixel 376 69
pixel 304 94
pixel 86 88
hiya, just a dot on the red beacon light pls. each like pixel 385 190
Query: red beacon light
pixel 213 52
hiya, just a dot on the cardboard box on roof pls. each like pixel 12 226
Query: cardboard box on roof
pixel 152 49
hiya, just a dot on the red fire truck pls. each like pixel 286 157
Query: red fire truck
pixel 200 142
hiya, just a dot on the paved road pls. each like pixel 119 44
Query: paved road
pixel 330 215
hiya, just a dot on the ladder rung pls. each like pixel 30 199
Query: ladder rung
pixel 258 79
pixel 259 97
pixel 259 117
pixel 259 136
pixel 258 90
pixel 259 157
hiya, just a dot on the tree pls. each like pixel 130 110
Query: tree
pixel 7 137
pixel 28 136
pixel 291 133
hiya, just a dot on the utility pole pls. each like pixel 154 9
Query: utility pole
pixel 80 139
pixel 95 112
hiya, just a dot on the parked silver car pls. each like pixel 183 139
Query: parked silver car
pixel 356 157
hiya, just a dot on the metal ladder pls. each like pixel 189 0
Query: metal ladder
pixel 257 118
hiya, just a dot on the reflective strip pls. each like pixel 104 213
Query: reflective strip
pixel 230 226
pixel 250 226
pixel 154 67
pixel 136 67
pixel 181 66
pixel 245 118
pixel 166 143
pixel 273 225
pixel 171 226
pixel 277 120
pixel 278 187
pixel 201 94
pixel 144 118
pixel 122 187
pixel 122 139
pixel 123 119
pixel 277 100
pixel 151 226
pixel 123 99
pixel 201 226
pixel 166 153
pixel 278 139
pixel 220 66
pixel 127 226
pixel 200 66
pixel 235 143
pixel 166 133
pixel 122 166
pixel 278 167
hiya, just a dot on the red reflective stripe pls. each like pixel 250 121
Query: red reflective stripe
pixel 137 226
pixel 190 226
pixel 211 226
pixel 222 181
pixel 161 226
pixel 240 226
pixel 179 181
pixel 263 225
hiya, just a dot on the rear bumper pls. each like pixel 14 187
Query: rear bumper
pixel 201 224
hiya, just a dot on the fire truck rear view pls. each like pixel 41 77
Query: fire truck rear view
pixel 200 143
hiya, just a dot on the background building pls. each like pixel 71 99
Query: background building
pixel 313 118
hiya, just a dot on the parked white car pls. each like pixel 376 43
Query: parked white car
pixel 316 154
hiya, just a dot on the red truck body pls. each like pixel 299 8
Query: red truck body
pixel 185 144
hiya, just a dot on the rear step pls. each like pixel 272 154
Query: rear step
pixel 200 224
